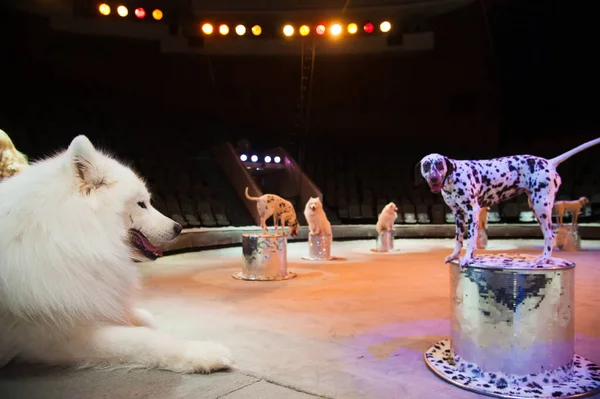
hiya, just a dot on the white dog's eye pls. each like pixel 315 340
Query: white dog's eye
pixel 142 204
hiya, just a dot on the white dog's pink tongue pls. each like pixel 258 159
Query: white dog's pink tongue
pixel 147 245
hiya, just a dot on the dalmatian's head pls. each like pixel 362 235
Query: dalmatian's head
pixel 433 168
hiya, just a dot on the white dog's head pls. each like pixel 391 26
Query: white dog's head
pixel 434 168
pixel 110 186
pixel 313 205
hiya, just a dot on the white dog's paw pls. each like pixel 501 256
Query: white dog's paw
pixel 203 358
pixel 450 258
pixel 143 318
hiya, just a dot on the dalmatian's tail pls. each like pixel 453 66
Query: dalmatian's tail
pixel 250 197
pixel 561 158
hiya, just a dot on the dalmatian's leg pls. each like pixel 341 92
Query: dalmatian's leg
pixel 472 225
pixel 460 232
pixel 263 224
pixel 275 222
pixel 542 208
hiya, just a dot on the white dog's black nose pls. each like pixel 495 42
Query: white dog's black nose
pixel 177 228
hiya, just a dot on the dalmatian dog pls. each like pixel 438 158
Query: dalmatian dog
pixel 466 186
pixel 282 211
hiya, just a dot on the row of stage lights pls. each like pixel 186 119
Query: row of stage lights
pixel 254 158
pixel 304 30
pixel 123 11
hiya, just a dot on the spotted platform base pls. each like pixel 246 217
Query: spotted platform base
pixel 241 276
pixel 583 378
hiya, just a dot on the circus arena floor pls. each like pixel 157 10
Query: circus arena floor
pixel 352 328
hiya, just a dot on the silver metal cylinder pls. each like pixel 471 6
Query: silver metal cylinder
pixel 568 238
pixel 264 258
pixel 482 239
pixel 384 241
pixel 319 246
pixel 511 319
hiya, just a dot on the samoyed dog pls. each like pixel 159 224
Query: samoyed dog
pixel 71 227
pixel 316 217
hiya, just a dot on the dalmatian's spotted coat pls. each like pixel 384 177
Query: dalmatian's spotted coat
pixel 282 211
pixel 469 185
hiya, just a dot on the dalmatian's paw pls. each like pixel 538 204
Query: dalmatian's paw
pixel 465 260
pixel 451 258
pixel 541 260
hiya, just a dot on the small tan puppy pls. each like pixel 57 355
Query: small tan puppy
pixel 387 217
pixel 282 211
pixel 11 160
pixel 573 207
pixel 316 217
pixel 483 218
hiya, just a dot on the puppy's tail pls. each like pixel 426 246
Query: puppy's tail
pixel 250 197
pixel 561 158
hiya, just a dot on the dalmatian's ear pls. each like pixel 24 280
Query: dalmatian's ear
pixel 418 176
pixel 449 166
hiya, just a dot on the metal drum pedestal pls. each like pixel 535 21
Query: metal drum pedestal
pixel 319 247
pixel 513 330
pixel 568 238
pixel 385 242
pixel 482 239
pixel 264 258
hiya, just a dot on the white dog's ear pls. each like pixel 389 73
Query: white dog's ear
pixel 83 157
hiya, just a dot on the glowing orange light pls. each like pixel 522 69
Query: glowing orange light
pixel 320 29
pixel 224 29
pixel 352 28
pixel 336 29
pixel 256 30
pixel 104 9
pixel 157 14
pixel 207 29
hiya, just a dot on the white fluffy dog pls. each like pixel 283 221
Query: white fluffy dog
pixel 316 217
pixel 387 217
pixel 70 228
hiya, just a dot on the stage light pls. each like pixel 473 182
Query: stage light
pixel 385 26
pixel 335 29
pixel 256 30
pixel 304 30
pixel 140 12
pixel 277 159
pixel 104 9
pixel 122 11
pixel 267 159
pixel 288 30
pixel 369 27
pixel 157 14
pixel 320 29
pixel 224 29
pixel 243 157
pixel 240 30
pixel 352 28
pixel 254 158
pixel 207 29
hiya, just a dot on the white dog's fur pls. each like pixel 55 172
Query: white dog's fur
pixel 316 217
pixel 67 276
pixel 387 217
